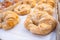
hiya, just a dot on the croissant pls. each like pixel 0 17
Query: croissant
pixel 40 23
pixel 23 9
pixel 10 19
pixel 32 3
pixel 50 2
pixel 45 7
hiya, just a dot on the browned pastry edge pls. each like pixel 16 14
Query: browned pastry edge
pixel 37 27
pixel 10 19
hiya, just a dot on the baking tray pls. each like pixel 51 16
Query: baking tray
pixel 20 33
pixel 58 28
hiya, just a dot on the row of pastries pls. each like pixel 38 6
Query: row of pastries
pixel 39 20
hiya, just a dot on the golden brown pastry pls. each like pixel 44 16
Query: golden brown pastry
pixel 0 25
pixel 37 1
pixel 45 7
pixel 16 1
pixel 1 6
pixel 32 3
pixel 12 1
pixel 10 19
pixel 0 20
pixel 23 9
pixel 40 23
pixel 7 4
pixel 50 2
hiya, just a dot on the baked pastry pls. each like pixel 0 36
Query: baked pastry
pixel 12 1
pixel 32 3
pixel 50 2
pixel 23 9
pixel 40 23
pixel 0 25
pixel 1 6
pixel 45 7
pixel 37 1
pixel 6 4
pixel 16 1
pixel 0 20
pixel 10 19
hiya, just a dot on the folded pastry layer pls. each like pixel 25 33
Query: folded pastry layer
pixel 9 20
pixel 40 23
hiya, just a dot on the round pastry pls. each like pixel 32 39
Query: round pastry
pixel 50 2
pixel 10 19
pixel 45 7
pixel 32 3
pixel 22 9
pixel 40 23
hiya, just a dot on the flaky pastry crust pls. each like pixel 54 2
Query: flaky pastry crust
pixel 9 20
pixel 23 9
pixel 40 23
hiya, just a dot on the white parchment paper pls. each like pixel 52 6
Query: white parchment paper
pixel 20 33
